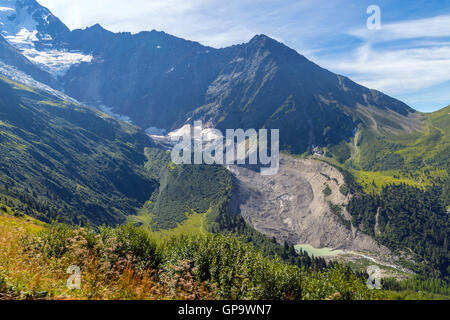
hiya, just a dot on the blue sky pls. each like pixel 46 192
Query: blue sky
pixel 408 58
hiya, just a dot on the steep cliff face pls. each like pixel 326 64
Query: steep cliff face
pixel 151 77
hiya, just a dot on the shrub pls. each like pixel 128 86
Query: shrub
pixel 3 285
pixel 338 283
pixel 137 243
pixel 344 190
pixel 55 240
pixel 125 263
pixel 241 272
pixel 237 269
pixel 327 191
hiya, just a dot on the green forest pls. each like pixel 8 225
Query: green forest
pixel 411 219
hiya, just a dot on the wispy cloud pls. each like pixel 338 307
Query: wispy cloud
pixel 434 27
pixel 408 59
pixel 215 23
pixel 396 71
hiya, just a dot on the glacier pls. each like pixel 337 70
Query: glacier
pixel 20 24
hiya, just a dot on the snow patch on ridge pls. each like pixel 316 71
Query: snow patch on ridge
pixel 56 62
pixel 23 39
pixel 6 9
pixel 156 132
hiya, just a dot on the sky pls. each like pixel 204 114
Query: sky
pixel 407 57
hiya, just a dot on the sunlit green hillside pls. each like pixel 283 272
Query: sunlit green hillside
pixel 419 157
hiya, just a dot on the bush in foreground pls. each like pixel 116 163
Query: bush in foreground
pixel 125 263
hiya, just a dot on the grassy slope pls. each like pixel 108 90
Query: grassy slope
pixel 27 273
pixel 194 224
pixel 418 158
pixel 62 160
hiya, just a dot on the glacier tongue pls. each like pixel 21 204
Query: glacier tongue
pixel 21 77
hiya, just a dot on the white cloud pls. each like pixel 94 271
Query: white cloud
pixel 396 71
pixel 434 27
pixel 215 23
pixel 408 59
pixel 418 76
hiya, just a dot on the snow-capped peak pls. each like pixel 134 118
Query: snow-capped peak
pixel 32 29
pixel 21 16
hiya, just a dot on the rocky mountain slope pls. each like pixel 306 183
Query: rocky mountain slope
pixel 292 207
pixel 305 203
pixel 166 82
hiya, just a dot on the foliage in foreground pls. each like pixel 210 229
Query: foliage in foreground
pixel 125 263
pixel 242 272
